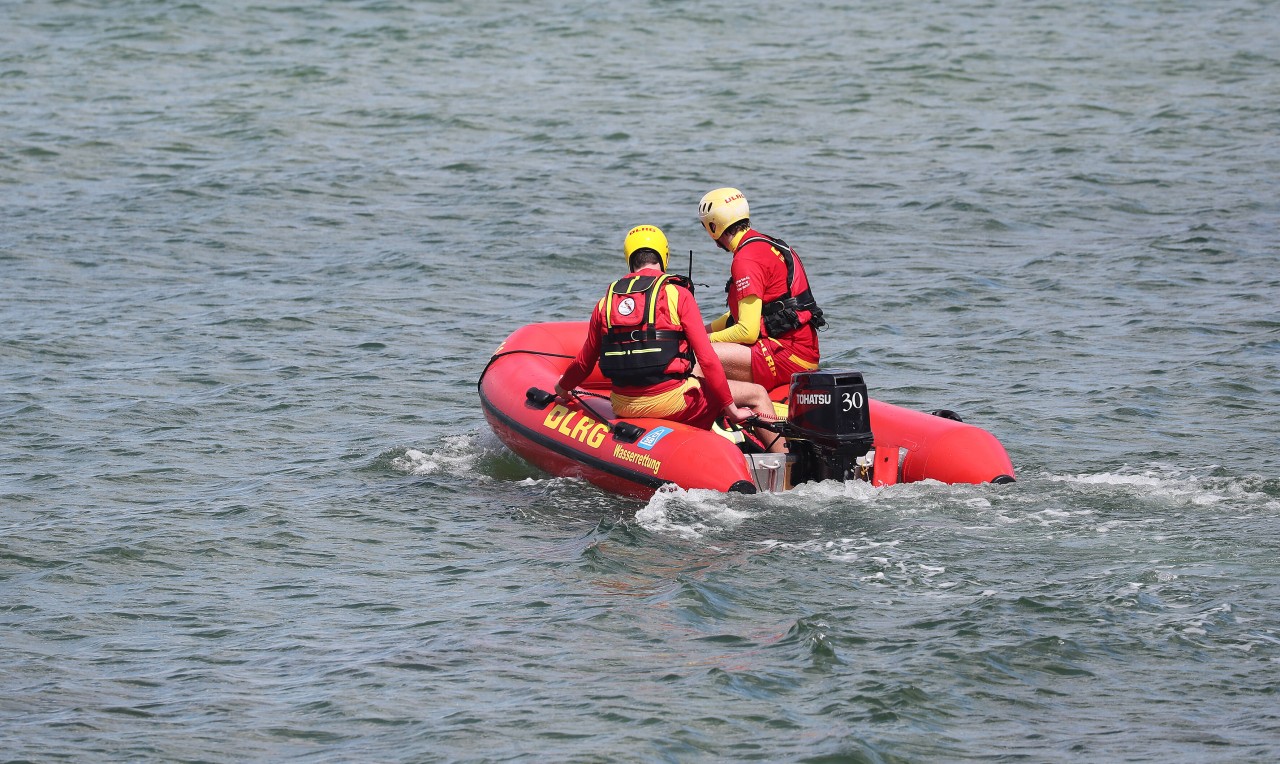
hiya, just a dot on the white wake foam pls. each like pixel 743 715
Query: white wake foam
pixel 456 454
pixel 691 514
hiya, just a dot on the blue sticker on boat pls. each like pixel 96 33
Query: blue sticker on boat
pixel 651 439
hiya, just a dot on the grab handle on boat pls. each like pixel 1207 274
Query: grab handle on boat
pixel 539 398
pixel 623 431
pixel 627 432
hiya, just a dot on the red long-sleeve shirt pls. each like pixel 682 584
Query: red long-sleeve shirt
pixel 687 318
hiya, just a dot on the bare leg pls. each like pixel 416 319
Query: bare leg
pixel 735 358
pixel 757 398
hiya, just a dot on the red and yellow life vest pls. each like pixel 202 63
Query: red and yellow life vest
pixel 642 344
pixel 793 308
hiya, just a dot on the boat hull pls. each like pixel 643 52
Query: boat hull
pixel 575 440
pixel 579 440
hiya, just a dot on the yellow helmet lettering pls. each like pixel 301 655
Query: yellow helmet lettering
pixel 645 237
pixel 720 209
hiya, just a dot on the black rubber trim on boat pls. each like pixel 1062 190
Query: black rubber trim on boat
pixel 639 478
pixel 1002 479
pixel 742 486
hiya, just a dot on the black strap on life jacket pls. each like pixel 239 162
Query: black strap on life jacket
pixel 782 315
pixel 638 355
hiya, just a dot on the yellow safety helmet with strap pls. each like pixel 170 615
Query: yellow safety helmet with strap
pixel 645 237
pixel 720 209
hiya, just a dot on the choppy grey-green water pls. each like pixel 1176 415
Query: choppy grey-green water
pixel 253 258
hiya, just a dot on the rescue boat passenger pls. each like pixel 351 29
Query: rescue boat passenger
pixel 646 334
pixel 770 329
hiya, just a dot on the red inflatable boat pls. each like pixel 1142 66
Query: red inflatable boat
pixel 834 431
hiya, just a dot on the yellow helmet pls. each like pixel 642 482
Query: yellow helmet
pixel 722 208
pixel 645 237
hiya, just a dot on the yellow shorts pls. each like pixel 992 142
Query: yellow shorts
pixel 687 402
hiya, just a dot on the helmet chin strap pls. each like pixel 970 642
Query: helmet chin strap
pixel 726 242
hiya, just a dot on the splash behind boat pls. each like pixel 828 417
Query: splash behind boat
pixel 834 429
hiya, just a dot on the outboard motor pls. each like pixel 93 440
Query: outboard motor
pixel 829 426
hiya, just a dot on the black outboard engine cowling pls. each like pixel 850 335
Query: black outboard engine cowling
pixel 829 425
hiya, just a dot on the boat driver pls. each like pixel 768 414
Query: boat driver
pixel 770 329
pixel 646 334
